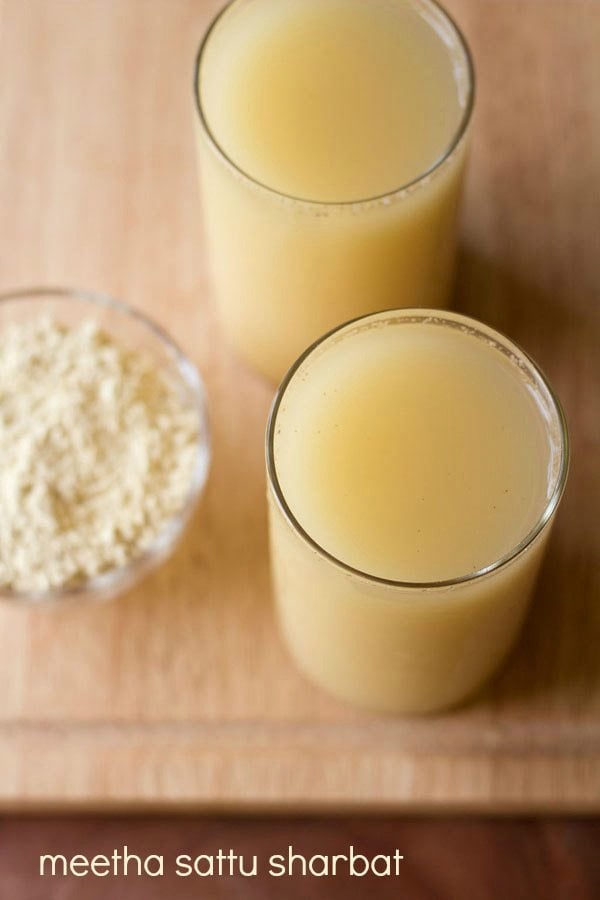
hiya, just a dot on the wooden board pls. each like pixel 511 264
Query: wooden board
pixel 180 694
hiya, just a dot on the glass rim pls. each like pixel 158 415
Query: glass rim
pixel 415 182
pixel 443 318
pixel 125 576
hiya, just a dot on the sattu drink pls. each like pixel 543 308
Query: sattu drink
pixel 329 100
pixel 415 462
pixel 332 140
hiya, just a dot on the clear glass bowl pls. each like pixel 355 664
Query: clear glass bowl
pixel 134 331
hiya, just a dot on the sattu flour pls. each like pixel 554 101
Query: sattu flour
pixel 97 450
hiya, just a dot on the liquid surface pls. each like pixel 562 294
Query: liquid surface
pixel 413 452
pixel 330 100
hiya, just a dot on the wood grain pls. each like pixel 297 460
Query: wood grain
pixel 180 693
pixel 444 858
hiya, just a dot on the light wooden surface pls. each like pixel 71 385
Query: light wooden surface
pixel 180 694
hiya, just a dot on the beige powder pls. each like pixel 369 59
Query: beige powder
pixel 97 452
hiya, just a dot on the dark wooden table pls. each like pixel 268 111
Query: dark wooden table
pixel 444 858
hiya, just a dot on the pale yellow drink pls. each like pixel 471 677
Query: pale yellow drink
pixel 332 142
pixel 415 462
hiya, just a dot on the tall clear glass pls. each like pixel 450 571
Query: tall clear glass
pixel 287 269
pixel 404 646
